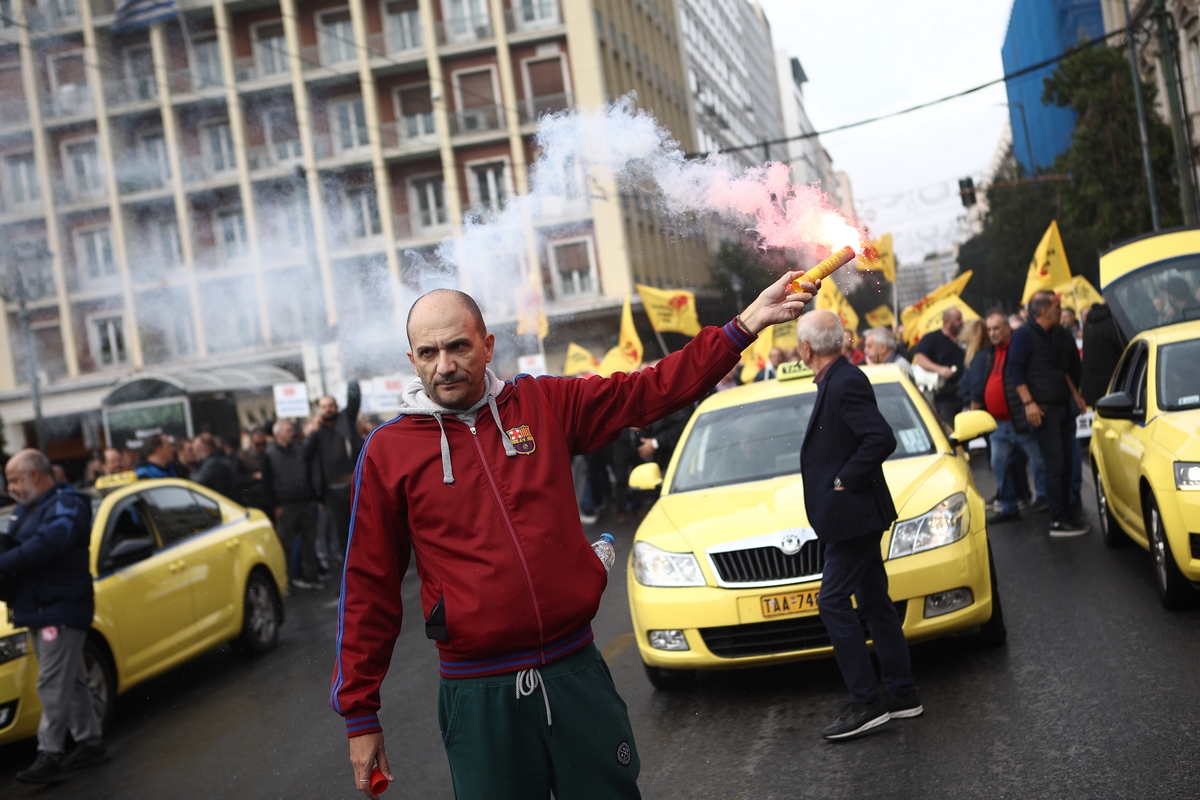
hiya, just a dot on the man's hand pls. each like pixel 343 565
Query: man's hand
pixel 365 752
pixel 777 303
pixel 646 449
pixel 946 372
pixel 1033 413
pixel 278 512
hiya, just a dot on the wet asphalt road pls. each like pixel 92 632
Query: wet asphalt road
pixel 1095 695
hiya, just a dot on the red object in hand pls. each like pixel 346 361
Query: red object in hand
pixel 379 783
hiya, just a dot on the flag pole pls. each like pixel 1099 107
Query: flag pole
pixel 663 345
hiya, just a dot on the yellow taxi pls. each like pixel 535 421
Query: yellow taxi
pixel 178 569
pixel 725 568
pixel 1146 437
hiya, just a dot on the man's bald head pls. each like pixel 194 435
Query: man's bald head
pixel 952 322
pixel 438 301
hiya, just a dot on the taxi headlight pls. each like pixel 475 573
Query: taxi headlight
pixel 948 522
pixel 1187 476
pixel 654 567
pixel 13 646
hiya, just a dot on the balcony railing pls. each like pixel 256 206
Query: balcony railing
pixel 330 146
pixel 410 131
pixel 71 100
pixel 54 16
pixel 461 30
pixel 141 177
pixel 280 154
pixel 13 112
pixel 534 108
pixel 532 15
pixel 476 120
pixel 420 224
pixel 200 169
pixel 186 81
pixel 130 91
pixel 69 193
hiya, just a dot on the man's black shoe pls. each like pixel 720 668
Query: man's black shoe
pixel 857 718
pixel 997 518
pixel 1060 530
pixel 85 756
pixel 44 769
pixel 1040 505
pixel 904 706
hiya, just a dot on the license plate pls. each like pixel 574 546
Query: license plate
pixel 778 605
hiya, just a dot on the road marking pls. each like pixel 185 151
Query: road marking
pixel 617 647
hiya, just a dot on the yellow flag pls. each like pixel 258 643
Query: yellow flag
pixel 579 361
pixel 627 355
pixel 884 262
pixel 531 312
pixel 931 318
pixel 1080 290
pixel 1048 269
pixel 880 317
pixel 831 298
pixel 756 357
pixel 670 310
pixel 910 317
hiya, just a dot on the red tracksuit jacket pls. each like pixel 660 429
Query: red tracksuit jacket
pixel 502 548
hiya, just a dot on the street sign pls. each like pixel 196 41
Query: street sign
pixel 291 400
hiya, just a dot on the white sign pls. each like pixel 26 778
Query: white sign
pixel 382 395
pixel 291 400
pixel 1083 424
pixel 534 365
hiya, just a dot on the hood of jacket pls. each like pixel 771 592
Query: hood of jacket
pixel 415 401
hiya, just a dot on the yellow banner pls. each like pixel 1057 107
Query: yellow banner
pixel 931 318
pixel 531 313
pixel 627 355
pixel 670 310
pixel 831 298
pixel 756 357
pixel 885 262
pixel 910 317
pixel 1080 290
pixel 579 361
pixel 1049 269
pixel 880 317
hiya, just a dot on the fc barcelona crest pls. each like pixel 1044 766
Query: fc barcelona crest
pixel 522 439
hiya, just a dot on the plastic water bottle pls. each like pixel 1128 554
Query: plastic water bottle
pixel 604 550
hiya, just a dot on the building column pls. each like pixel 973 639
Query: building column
pixel 439 88
pixel 183 216
pixel 41 155
pixel 133 334
pixel 291 30
pixel 383 193
pixel 237 130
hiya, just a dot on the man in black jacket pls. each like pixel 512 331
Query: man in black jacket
pixel 336 453
pixel 850 507
pixel 52 596
pixel 214 469
pixel 288 486
pixel 1043 363
pixel 1102 349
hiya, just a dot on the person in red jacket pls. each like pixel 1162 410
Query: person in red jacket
pixel 474 479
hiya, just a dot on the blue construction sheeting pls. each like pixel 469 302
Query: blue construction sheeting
pixel 1038 30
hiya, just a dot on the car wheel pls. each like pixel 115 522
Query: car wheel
pixel 101 680
pixel 261 618
pixel 1111 530
pixel 994 632
pixel 1174 591
pixel 670 680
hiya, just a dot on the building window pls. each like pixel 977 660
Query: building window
pixel 64 11
pixel 574 270
pixel 351 122
pixel 154 157
pixel 231 235
pixel 7 18
pixel 429 197
pixel 206 63
pixel 467 21
pixel 545 88
pixel 477 98
pixel 83 168
pixel 93 252
pixel 218 147
pixel 336 33
pixel 540 13
pixel 416 112
pixel 165 233
pixel 270 49
pixel 490 186
pixel 283 136
pixel 68 83
pixel 108 340
pixel 21 183
pixel 403 26
pixel 139 71
pixel 362 212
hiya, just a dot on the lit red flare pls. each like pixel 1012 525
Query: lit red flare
pixel 825 268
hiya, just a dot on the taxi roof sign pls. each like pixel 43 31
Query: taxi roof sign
pixel 793 370
pixel 115 481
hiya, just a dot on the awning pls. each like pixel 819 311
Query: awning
pixel 158 385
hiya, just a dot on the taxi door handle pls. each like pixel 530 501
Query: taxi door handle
pixel 233 544
pixel 176 566
pixel 1110 434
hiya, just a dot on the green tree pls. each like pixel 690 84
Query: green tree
pixel 757 268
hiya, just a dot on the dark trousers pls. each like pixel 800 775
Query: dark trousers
pixel 855 567
pixel 337 503
pixel 1056 437
pixel 298 523
pixel 948 409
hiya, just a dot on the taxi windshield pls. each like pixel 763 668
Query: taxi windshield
pixel 762 440
pixel 1160 294
pixel 1178 378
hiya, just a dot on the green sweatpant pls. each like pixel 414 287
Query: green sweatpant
pixel 500 749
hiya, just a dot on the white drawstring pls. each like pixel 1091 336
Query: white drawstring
pixel 528 681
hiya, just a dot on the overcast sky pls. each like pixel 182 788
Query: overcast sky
pixel 868 57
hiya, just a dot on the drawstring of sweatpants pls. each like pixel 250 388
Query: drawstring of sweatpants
pixel 528 681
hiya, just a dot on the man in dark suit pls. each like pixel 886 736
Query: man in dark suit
pixel 850 507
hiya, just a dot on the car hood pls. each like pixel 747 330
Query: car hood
pixel 699 520
pixel 1179 433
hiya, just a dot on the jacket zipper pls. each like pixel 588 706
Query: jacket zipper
pixel 537 611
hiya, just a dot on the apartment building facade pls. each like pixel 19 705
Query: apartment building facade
pixel 214 190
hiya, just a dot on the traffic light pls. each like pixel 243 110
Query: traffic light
pixel 966 189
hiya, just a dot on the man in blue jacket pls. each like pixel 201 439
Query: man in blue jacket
pixel 52 596
pixel 850 507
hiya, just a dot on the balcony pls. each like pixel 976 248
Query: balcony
pixel 185 81
pixel 532 15
pixel 534 108
pixel 464 30
pixel 431 225
pixel 477 120
pixel 14 113
pixel 412 132
pixel 206 170
pixel 55 16
pixel 247 68
pixel 80 193
pixel 330 146
pixel 72 100
pixel 280 155
pixel 123 92
pixel 141 176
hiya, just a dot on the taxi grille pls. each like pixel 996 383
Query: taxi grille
pixel 765 564
pixel 777 636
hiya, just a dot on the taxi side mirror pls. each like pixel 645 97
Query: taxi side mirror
pixel 645 477
pixel 1117 405
pixel 970 425
pixel 129 551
